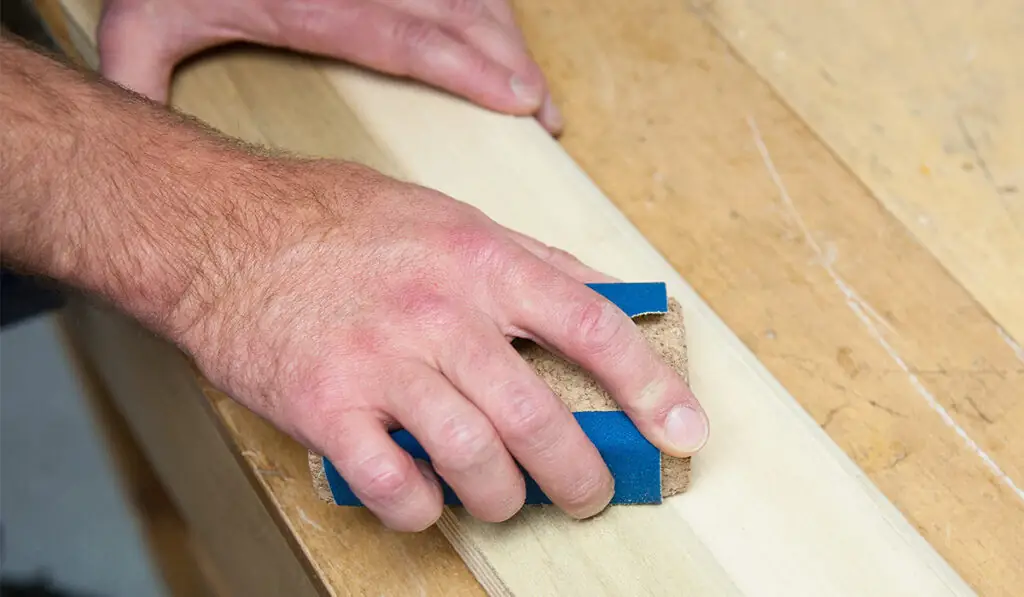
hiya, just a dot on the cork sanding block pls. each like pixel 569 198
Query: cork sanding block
pixel 643 475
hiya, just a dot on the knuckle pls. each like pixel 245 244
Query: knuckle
pixel 560 254
pixel 526 415
pixel 543 251
pixel 416 34
pixel 480 248
pixel 382 479
pixel 468 444
pixel 597 325
pixel 419 304
pixel 479 66
pixel 564 257
pixel 464 9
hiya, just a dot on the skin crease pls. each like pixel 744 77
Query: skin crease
pixel 334 301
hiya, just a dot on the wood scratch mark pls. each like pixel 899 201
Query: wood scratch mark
pixel 870 319
pixel 898 459
pixel 886 409
pixel 832 414
pixel 306 519
pixel 825 258
pixel 976 152
pixel 981 413
pixel 935 405
pixel 1016 348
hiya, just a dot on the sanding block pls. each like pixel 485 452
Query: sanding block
pixel 643 475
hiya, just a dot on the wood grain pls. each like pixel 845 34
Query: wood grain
pixel 667 121
pixel 922 100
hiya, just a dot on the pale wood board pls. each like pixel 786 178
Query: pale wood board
pixel 817 524
pixel 167 537
pixel 923 101
pixel 660 112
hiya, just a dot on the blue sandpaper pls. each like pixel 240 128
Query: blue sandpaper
pixel 633 461
pixel 635 298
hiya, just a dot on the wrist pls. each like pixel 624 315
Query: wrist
pixel 112 194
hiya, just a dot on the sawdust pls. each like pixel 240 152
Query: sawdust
pixel 320 484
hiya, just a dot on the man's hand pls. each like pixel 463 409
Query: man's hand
pixel 361 303
pixel 472 48
pixel 328 298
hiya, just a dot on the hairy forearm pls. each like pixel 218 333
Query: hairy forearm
pixel 112 194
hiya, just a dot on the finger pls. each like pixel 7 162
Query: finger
pixel 563 260
pixel 550 117
pixel 477 23
pixel 139 52
pixel 536 427
pixel 464 447
pixel 490 28
pixel 502 12
pixel 474 22
pixel 383 38
pixel 506 48
pixel 131 57
pixel 594 333
pixel 403 495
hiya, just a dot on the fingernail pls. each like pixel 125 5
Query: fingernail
pixel 528 94
pixel 686 429
pixel 599 507
pixel 551 116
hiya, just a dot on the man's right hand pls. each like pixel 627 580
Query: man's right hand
pixel 330 299
pixel 362 303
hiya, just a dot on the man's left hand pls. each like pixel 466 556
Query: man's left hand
pixel 472 48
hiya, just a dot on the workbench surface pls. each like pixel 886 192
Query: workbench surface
pixel 843 183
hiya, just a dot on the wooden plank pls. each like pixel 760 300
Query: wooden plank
pixel 817 523
pixel 923 101
pixel 659 113
pixel 255 561
pixel 246 517
pixel 169 541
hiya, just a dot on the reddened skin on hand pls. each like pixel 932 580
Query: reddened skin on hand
pixel 334 301
pixel 370 303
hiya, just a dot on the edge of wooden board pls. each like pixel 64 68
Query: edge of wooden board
pixel 818 526
pixel 515 171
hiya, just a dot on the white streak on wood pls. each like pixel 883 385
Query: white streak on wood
pixel 825 258
pixel 1016 348
pixel 869 318
pixel 306 519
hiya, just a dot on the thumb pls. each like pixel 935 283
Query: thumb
pixel 141 43
pixel 133 55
